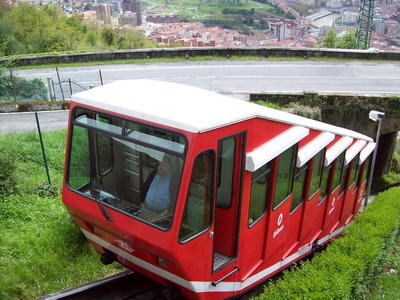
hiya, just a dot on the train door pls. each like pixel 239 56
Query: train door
pixel 230 169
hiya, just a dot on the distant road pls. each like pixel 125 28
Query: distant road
pixel 243 77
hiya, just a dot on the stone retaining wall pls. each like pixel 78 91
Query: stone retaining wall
pixel 206 51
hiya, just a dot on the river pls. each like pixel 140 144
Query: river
pixel 327 20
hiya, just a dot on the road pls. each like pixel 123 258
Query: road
pixel 240 78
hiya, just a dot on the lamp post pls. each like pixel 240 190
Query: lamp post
pixel 374 116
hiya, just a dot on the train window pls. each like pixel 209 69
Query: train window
pixel 299 187
pixel 284 179
pixel 104 144
pixel 339 171
pixel 316 174
pixel 354 171
pixel 120 165
pixel 366 169
pixel 197 214
pixel 324 183
pixel 79 163
pixel 225 176
pixel 343 179
pixel 259 189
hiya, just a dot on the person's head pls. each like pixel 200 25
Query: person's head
pixel 165 166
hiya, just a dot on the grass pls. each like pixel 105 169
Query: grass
pixel 41 249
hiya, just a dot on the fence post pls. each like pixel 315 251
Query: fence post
pixel 101 77
pixel 59 81
pixel 70 86
pixel 41 143
pixel 49 92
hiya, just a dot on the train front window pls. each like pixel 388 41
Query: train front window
pixel 125 166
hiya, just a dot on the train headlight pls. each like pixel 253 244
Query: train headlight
pixel 162 262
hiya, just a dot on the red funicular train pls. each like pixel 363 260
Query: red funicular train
pixel 203 192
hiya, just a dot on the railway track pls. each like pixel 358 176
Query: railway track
pixel 126 285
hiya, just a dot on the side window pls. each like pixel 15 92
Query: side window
pixel 324 183
pixel 316 174
pixel 197 213
pixel 259 189
pixel 343 179
pixel 79 167
pixel 339 171
pixel 366 169
pixel 225 176
pixel 284 178
pixel 354 171
pixel 298 187
pixel 104 148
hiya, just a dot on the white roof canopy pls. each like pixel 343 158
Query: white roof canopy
pixel 353 151
pixel 274 147
pixel 337 149
pixel 313 147
pixel 366 152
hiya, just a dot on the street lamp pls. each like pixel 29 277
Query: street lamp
pixel 374 116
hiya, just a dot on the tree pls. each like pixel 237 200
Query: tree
pixel 349 39
pixel 330 39
pixel 109 36
pixel 24 19
pixel 91 38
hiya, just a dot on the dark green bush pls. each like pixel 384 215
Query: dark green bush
pixel 351 263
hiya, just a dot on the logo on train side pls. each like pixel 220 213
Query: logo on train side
pixel 333 205
pixel 124 246
pixel 280 218
pixel 280 228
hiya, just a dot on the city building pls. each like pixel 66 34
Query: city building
pixel 104 11
pixel 134 7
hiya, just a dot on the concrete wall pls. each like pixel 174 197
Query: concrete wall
pixel 206 51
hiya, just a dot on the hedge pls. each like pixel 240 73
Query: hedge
pixel 350 263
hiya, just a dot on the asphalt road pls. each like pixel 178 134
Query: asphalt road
pixel 240 78
pixel 228 77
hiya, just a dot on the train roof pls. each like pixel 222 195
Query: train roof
pixel 188 108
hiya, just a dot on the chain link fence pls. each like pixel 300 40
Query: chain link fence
pixel 15 89
pixel 37 141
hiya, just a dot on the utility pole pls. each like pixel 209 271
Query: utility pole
pixel 364 24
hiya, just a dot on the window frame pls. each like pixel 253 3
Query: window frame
pixel 212 200
pixel 318 175
pixel 267 174
pixel 292 165
pixel 91 114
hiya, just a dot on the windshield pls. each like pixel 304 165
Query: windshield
pixel 126 166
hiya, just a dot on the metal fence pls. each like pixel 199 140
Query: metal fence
pixel 64 89
pixel 16 89
pixel 38 126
